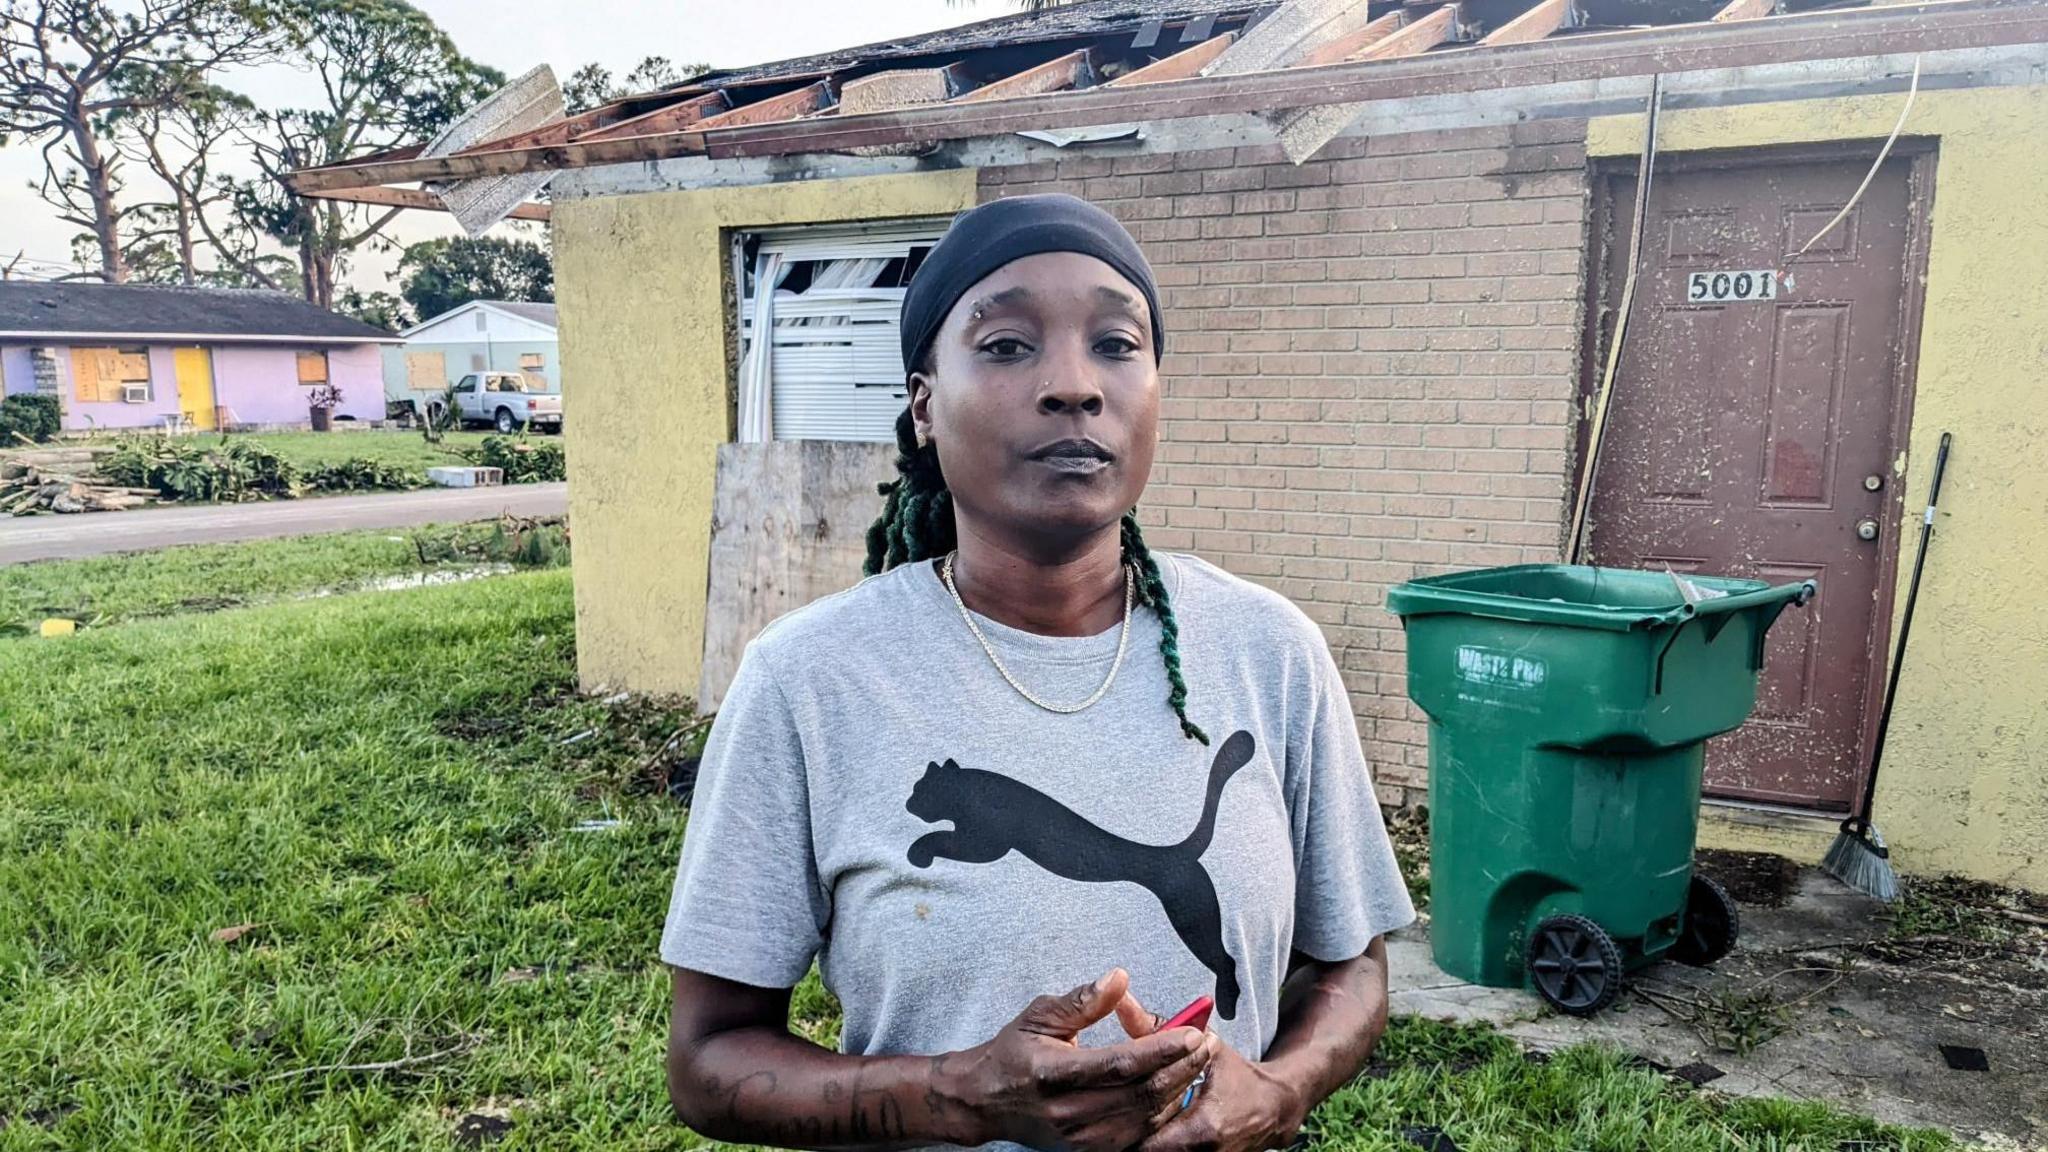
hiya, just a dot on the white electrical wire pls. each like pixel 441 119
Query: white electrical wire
pixel 1912 90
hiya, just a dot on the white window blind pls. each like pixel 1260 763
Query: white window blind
pixel 832 369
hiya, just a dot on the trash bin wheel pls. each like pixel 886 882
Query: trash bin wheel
pixel 1574 964
pixel 1708 931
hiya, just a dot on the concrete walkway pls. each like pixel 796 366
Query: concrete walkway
pixel 1862 1035
pixel 101 533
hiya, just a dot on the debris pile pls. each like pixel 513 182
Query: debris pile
pixel 63 480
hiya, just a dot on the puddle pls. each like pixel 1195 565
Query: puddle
pixel 201 605
pixel 428 579
pixel 403 580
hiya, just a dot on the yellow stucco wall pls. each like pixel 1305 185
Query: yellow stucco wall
pixel 639 281
pixel 1965 780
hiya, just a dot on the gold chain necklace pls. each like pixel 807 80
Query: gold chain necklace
pixel 1122 643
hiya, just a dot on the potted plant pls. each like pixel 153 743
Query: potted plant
pixel 324 399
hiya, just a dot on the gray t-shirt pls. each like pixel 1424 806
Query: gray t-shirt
pixel 874 795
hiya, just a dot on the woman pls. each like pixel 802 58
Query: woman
pixel 952 788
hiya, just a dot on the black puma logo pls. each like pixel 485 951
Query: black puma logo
pixel 994 815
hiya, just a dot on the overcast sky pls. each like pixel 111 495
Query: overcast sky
pixel 515 35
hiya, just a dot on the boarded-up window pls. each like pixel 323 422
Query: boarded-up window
pixel 532 361
pixel 312 367
pixel 426 371
pixel 110 375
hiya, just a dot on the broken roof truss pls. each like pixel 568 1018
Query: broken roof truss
pixel 1306 69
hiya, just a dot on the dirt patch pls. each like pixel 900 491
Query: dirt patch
pixel 1409 830
pixel 616 743
pixel 1756 878
pixel 484 1123
pixel 1969 931
pixel 39 1117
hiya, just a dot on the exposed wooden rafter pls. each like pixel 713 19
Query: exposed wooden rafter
pixel 1745 10
pixel 604 116
pixel 1420 36
pixel 1074 70
pixel 1304 131
pixel 1347 47
pixel 414 198
pixel 1179 66
pixel 800 102
pixel 669 119
pixel 1929 26
pixel 1546 17
pixel 391 155
pixel 560 132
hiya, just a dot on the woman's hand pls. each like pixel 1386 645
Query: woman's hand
pixel 1034 1085
pixel 1241 1106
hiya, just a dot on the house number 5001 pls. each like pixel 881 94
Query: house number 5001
pixel 1724 287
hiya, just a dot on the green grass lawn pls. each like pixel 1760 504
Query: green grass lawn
pixel 407 449
pixel 386 787
pixel 210 576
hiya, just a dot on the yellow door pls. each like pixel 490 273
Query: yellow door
pixel 195 386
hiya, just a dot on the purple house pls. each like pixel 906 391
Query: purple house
pixel 142 355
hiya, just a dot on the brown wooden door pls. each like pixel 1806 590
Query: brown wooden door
pixel 1744 435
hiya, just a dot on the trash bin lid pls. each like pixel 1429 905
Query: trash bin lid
pixel 1614 599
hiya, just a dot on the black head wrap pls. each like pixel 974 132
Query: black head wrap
pixel 984 239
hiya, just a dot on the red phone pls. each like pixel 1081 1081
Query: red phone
pixel 1195 1015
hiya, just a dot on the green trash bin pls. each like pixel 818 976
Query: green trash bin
pixel 1569 709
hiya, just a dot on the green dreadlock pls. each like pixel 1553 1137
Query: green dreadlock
pixel 917 524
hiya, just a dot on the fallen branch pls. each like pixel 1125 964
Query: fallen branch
pixel 1863 963
pixel 469 1043
pixel 674 739
pixel 1663 1001
pixel 1957 942
pixel 2022 917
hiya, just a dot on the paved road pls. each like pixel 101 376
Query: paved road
pixel 100 533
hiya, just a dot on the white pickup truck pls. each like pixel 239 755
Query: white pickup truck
pixel 508 401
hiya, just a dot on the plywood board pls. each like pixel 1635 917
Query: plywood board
pixel 426 371
pixel 789 523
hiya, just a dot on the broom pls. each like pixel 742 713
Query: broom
pixel 1858 856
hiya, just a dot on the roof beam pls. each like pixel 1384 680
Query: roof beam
pixel 1348 46
pixel 1073 70
pixel 1745 10
pixel 1930 26
pixel 415 198
pixel 500 162
pixel 560 132
pixel 675 116
pixel 798 102
pixel 1179 66
pixel 1304 131
pixel 593 120
pixel 1546 17
pixel 1416 38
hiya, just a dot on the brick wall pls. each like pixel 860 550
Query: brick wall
pixel 1372 359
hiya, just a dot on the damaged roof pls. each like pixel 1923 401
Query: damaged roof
pixel 39 311
pixel 1084 18
pixel 1305 68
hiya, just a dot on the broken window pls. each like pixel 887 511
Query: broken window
pixel 833 369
